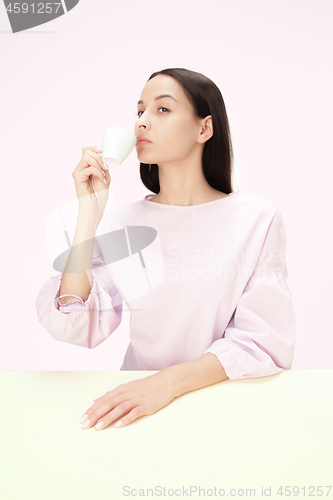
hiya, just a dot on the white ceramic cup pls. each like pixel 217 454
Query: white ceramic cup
pixel 117 143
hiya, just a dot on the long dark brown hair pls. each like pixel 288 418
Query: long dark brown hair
pixel 217 157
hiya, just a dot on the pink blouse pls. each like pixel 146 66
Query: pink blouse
pixel 197 279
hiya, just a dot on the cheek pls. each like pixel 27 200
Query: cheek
pixel 176 133
pixel 176 138
pixel 184 139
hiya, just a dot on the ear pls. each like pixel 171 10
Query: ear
pixel 206 129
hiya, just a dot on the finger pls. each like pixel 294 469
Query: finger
pixel 116 413
pixel 98 399
pixel 96 153
pixel 98 157
pixel 94 159
pixel 98 410
pixel 95 171
pixel 92 148
pixel 135 413
pixel 114 392
pixel 107 397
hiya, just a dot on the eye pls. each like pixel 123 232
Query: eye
pixel 138 113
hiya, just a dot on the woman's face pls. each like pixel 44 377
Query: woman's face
pixel 168 122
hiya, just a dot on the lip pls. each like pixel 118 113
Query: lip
pixel 142 141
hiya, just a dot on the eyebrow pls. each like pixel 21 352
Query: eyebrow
pixel 159 97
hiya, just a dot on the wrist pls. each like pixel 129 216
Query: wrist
pixel 87 223
pixel 172 378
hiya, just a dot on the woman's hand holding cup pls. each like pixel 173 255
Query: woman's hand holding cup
pixel 92 180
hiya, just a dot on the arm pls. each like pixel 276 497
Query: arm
pixel 260 338
pixel 172 382
pixel 258 341
pixel 192 375
pixel 89 324
pixel 150 394
pixel 81 255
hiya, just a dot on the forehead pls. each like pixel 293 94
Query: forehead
pixel 162 84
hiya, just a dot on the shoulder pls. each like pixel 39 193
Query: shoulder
pixel 255 200
pixel 254 206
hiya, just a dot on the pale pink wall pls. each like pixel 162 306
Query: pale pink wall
pixel 64 81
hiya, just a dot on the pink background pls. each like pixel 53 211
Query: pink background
pixel 63 82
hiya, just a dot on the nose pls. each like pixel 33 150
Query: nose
pixel 141 124
pixel 140 128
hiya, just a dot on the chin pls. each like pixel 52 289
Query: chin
pixel 146 160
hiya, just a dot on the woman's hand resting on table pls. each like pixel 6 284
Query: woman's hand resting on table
pixel 130 401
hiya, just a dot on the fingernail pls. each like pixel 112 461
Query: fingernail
pixel 118 424
pixel 86 424
pixel 84 418
pixel 105 181
pixel 99 149
pixel 106 166
pixel 99 425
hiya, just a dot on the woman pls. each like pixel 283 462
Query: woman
pixel 224 309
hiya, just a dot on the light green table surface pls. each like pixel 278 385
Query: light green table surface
pixel 259 433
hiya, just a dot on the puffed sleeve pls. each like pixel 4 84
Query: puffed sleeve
pixel 89 324
pixel 260 337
